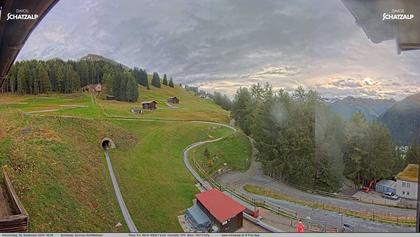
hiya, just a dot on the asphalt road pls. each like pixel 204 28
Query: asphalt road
pixel 203 183
pixel 236 180
pixel 131 226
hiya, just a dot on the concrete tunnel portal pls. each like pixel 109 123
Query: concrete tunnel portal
pixel 107 143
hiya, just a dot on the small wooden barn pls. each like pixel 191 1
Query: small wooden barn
pixel 92 88
pixel 173 100
pixel 223 211
pixel 151 105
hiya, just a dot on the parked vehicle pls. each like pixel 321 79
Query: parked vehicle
pixel 389 195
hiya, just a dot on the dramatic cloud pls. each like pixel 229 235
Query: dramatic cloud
pixel 222 44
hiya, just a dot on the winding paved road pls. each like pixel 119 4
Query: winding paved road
pixel 205 184
pixel 236 180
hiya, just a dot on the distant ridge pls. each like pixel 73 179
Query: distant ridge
pixel 96 57
pixel 372 109
pixel 403 120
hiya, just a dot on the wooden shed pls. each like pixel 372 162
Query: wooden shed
pixel 224 212
pixel 151 105
pixel 92 88
pixel 173 100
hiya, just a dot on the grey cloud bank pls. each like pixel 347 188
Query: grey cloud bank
pixel 221 44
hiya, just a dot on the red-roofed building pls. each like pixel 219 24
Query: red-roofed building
pixel 225 212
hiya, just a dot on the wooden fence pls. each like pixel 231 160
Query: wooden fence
pixel 291 216
pixel 19 221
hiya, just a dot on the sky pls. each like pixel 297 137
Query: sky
pixel 225 44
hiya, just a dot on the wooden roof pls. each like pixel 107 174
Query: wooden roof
pixel 219 204
pixel 410 173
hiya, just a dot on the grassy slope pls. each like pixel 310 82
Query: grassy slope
pixel 152 176
pixel 156 185
pixel 81 104
pixel 235 151
pixel 190 108
pixel 77 104
pixel 59 171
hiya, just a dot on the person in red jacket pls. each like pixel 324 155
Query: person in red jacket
pixel 300 227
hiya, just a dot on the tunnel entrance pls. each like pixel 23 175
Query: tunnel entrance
pixel 107 143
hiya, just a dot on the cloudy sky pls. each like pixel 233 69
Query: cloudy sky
pixel 224 44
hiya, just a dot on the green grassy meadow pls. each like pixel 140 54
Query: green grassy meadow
pixel 234 151
pixel 49 144
pixel 190 108
pixel 59 171
pixel 154 181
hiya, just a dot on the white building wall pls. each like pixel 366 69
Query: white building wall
pixel 407 189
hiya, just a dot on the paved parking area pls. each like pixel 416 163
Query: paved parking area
pixel 375 198
pixel 249 227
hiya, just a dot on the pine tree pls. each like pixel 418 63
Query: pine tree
pixel 122 94
pixel 165 80
pixel 108 80
pixel 44 81
pixel 132 92
pixel 171 83
pixel 156 80
pixel 83 72
pixel 60 77
pixel 145 79
pixel 13 78
pixel 413 154
pixel 23 74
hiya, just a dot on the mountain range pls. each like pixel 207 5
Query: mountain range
pixel 403 120
pixel 96 57
pixel 371 108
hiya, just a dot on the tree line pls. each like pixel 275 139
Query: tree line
pixel 56 75
pixel 35 77
pixel 220 99
pixel 302 142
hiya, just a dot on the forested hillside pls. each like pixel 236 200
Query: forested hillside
pixel 303 143
pixel 55 75
pixel 370 108
pixel 403 120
